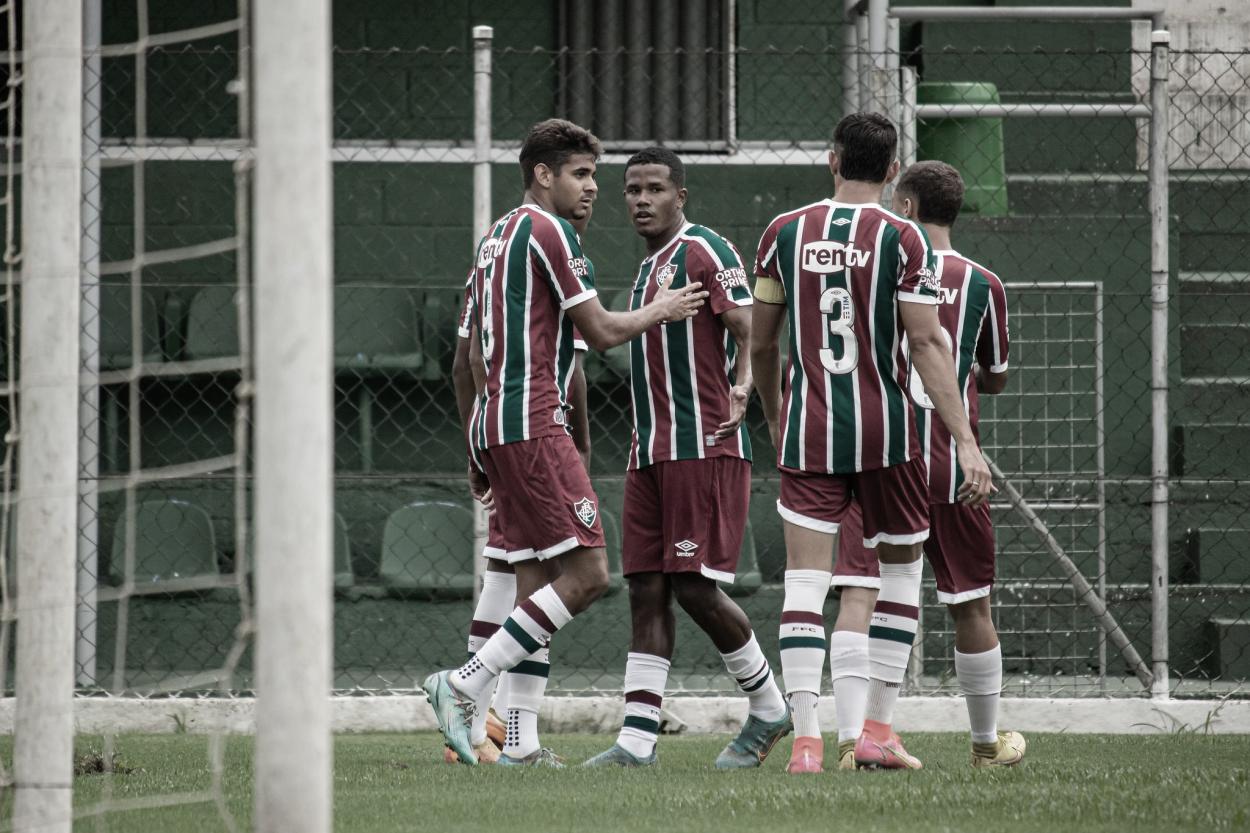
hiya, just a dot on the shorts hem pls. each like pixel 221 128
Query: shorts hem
pixel 520 555
pixel 898 540
pixel 558 548
pixel 718 575
pixel 871 582
pixel 964 596
pixel 497 553
pixel 814 524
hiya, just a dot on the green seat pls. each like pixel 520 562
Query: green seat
pixel 748 578
pixel 213 324
pixel 440 313
pixel 973 145
pixel 116 330
pixel 427 549
pixel 612 540
pixel 375 328
pixel 173 540
pixel 344 575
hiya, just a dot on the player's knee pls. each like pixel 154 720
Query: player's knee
pixel 696 594
pixel 648 593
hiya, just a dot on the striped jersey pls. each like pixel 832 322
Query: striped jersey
pixel 528 271
pixel 844 268
pixel 973 312
pixel 681 371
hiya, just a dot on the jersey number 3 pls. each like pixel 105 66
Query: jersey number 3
pixel 839 317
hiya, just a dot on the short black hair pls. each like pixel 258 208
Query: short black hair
pixel 656 155
pixel 866 144
pixel 938 190
pixel 551 143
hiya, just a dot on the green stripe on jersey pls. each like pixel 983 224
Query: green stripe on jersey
pixel 678 336
pixel 516 298
pixel 787 268
pixel 641 390
pixel 725 254
pixel 976 299
pixel 885 316
pixel 843 406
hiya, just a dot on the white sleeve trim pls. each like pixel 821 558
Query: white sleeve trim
pixel 743 302
pixel 579 297
pixel 463 332
pixel 579 344
pixel 917 298
pixel 998 368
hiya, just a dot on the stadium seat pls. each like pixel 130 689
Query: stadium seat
pixel 427 549
pixel 213 324
pixel 116 332
pixel 344 575
pixel 173 540
pixel 748 578
pixel 375 328
pixel 439 320
pixel 612 539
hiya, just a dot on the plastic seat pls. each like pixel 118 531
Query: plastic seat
pixel 344 575
pixel 748 578
pixel 427 549
pixel 116 332
pixel 213 324
pixel 439 313
pixel 173 540
pixel 375 327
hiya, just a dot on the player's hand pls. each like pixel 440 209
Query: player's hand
pixel 739 397
pixel 681 303
pixel 978 483
pixel 479 487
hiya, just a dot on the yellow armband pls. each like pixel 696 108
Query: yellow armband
pixel 769 290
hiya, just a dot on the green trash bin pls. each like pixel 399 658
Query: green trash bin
pixel 973 145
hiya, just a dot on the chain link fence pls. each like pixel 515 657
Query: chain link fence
pixel 1057 206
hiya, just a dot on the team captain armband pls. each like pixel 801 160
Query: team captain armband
pixel 769 290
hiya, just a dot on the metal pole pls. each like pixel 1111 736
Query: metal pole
pixel 294 406
pixel 863 63
pixel 47 528
pixel 1158 175
pixel 907 118
pixel 483 36
pixel 1049 13
pixel 89 354
pixel 1101 462
pixel 849 60
pixel 878 14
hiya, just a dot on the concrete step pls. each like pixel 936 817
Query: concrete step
pixel 1213 450
pixel 1214 399
pixel 1214 298
pixel 1217 555
pixel 1215 349
pixel 1231 637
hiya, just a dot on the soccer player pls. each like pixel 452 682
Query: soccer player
pixel 851 278
pixel 689 478
pixel 973 315
pixel 531 285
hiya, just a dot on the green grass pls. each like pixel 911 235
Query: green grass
pixel 398 783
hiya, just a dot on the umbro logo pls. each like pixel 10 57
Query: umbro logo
pixel 685 549
pixel 841 221
pixel 586 511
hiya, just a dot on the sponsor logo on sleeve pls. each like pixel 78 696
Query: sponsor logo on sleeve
pixel 579 267
pixel 732 278
pixel 928 279
pixel 826 256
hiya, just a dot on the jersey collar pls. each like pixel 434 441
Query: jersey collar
pixel 670 242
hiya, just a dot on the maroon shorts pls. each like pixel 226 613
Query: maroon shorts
pixel 856 565
pixel 500 546
pixel 961 550
pixel 686 516
pixel 894 500
pixel 544 504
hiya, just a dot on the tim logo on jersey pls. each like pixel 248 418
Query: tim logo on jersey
pixel 826 256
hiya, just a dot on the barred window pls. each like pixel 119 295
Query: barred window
pixel 639 71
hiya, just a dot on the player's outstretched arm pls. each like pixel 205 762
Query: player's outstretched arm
pixel 932 360
pixel 603 329
pixel 766 319
pixel 738 322
pixel 579 423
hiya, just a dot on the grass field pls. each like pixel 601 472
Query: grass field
pixel 398 783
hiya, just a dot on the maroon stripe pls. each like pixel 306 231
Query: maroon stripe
pixel 648 698
pixel 483 629
pixel 896 609
pixel 802 617
pixel 536 613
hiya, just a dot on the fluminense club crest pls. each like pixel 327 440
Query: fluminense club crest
pixel 586 511
pixel 665 274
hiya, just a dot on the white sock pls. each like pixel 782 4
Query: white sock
pixel 645 678
pixel 981 681
pixel 748 666
pixel 494 603
pixel 526 683
pixel 890 637
pixel 803 706
pixel 528 629
pixel 848 666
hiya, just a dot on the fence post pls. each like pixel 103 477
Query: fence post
pixel 483 37
pixel 47 510
pixel 1158 175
